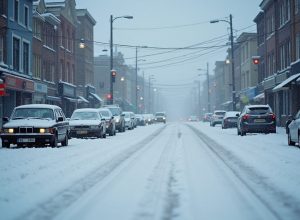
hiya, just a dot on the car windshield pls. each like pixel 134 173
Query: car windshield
pixel 104 113
pixel 160 114
pixel 39 113
pixel 258 110
pixel 220 113
pixel 115 111
pixel 85 116
pixel 127 115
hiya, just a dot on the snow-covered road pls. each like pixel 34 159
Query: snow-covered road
pixel 174 171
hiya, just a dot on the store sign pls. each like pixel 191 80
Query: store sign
pixel 2 89
pixel 41 88
pixel 18 83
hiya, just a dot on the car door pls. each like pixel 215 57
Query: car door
pixel 61 125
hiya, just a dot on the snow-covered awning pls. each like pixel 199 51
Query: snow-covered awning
pixel 71 99
pixel 53 98
pixel 226 103
pixel 286 82
pixel 95 96
pixel 259 97
pixel 82 99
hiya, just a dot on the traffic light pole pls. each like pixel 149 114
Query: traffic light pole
pixel 111 62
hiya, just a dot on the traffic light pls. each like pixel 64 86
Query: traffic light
pixel 255 60
pixel 113 75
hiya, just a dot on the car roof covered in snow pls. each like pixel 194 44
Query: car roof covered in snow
pixel 39 106
pixel 87 110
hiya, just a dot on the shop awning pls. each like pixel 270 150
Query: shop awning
pixel 53 98
pixel 286 82
pixel 259 97
pixel 71 99
pixel 95 96
pixel 82 99
pixel 226 103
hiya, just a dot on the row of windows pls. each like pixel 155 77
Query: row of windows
pixel 284 12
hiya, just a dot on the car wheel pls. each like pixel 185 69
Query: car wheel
pixel 65 142
pixel 104 135
pixel 238 132
pixel 54 142
pixel 5 144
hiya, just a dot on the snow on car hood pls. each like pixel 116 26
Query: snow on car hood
pixel 83 122
pixel 30 122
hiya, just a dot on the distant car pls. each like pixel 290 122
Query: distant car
pixel 160 117
pixel 256 119
pixel 87 122
pixel 230 119
pixel 149 118
pixel 119 117
pixel 193 118
pixel 217 117
pixel 207 117
pixel 140 119
pixel 35 124
pixel 293 130
pixel 110 121
pixel 129 120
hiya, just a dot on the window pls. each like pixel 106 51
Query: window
pixel 1 49
pixel 26 16
pixel 25 58
pixel 16 54
pixel 297 5
pixel 37 66
pixel 16 10
pixel 37 29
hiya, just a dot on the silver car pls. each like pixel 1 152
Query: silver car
pixel 293 130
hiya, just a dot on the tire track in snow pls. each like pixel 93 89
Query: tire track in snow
pixel 253 181
pixel 160 200
pixel 56 204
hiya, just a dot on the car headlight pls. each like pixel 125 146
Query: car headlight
pixel 117 120
pixel 8 130
pixel 46 130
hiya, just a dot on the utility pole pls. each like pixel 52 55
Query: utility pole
pixel 208 92
pixel 136 80
pixel 232 65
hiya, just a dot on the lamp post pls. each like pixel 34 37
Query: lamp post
pixel 207 80
pixel 112 19
pixel 232 57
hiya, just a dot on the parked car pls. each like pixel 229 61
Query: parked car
pixel 293 130
pixel 129 120
pixel 193 118
pixel 140 119
pixel 230 119
pixel 87 122
pixel 160 117
pixel 217 117
pixel 118 115
pixel 256 119
pixel 110 121
pixel 35 125
pixel 207 117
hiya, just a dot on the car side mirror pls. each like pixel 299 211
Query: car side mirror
pixel 103 119
pixel 123 115
pixel 112 117
pixel 60 119
pixel 238 115
pixel 5 119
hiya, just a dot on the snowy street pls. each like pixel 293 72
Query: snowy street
pixel 173 171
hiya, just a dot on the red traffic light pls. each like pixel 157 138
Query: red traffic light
pixel 255 60
pixel 108 96
pixel 113 73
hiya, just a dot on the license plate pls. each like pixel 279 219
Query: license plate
pixel 81 132
pixel 260 120
pixel 26 140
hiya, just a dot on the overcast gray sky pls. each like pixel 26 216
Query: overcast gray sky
pixel 171 24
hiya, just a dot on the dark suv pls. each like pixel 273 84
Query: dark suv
pixel 256 119
pixel 118 116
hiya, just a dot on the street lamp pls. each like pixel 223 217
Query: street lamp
pixel 136 78
pixel 232 57
pixel 112 19
pixel 208 93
